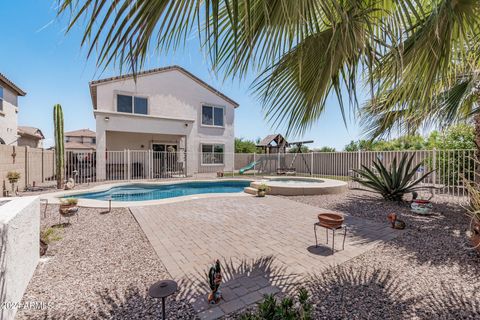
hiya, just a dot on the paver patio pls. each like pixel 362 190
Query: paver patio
pixel 266 245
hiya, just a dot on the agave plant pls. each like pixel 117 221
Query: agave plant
pixel 392 183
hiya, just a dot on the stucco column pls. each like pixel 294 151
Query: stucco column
pixel 101 153
pixel 192 155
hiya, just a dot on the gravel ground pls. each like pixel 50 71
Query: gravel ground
pixel 101 268
pixel 103 265
pixel 429 272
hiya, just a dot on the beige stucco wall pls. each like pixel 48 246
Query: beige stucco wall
pixel 34 165
pixel 175 102
pixel 9 118
pixel 27 141
pixel 19 250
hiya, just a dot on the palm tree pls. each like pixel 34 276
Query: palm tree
pixel 456 101
pixel 406 51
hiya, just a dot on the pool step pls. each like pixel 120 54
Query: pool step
pixel 250 190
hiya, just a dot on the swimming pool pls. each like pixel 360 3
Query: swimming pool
pixel 142 192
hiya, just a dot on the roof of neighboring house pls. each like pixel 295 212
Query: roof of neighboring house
pixel 78 145
pixel 93 84
pixel 6 82
pixel 31 132
pixel 278 138
pixel 81 133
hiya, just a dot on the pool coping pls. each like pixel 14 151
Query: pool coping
pixel 325 186
pixel 54 198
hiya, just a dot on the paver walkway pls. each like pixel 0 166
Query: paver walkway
pixel 265 245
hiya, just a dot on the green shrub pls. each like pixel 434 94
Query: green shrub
pixel 69 201
pixel 13 176
pixel 286 309
pixel 50 234
pixel 392 183
pixel 263 187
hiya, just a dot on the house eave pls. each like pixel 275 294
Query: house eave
pixel 93 84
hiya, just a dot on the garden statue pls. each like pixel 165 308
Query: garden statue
pixel 396 223
pixel 215 279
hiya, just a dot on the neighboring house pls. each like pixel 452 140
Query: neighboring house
pixel 9 94
pixel 82 140
pixel 30 137
pixel 165 109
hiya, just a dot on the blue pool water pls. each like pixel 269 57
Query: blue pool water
pixel 141 192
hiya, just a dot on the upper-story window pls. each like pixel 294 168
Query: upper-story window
pixel 212 116
pixel 132 104
pixel 1 98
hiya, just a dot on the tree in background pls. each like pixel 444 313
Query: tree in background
pixel 296 149
pixel 324 149
pixel 460 136
pixel 245 146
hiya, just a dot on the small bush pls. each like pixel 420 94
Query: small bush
pixel 263 187
pixel 49 235
pixel 286 309
pixel 392 183
pixel 69 201
pixel 13 176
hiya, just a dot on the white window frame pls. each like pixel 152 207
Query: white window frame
pixel 213 153
pixel 213 115
pixel 133 96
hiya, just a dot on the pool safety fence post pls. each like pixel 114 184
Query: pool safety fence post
pixel 311 164
pixel 129 168
pixel 254 163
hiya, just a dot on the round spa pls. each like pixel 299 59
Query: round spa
pixel 298 186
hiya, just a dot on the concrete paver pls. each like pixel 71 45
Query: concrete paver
pixel 266 245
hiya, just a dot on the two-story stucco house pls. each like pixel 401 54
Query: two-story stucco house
pixel 9 94
pixel 82 140
pixel 162 110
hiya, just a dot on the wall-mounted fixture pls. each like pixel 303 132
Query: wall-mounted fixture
pixel 186 124
pixel 142 146
pixel 107 118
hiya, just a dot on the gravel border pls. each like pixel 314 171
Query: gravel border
pixel 427 273
pixel 101 268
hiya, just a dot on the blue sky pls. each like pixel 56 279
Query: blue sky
pixel 52 68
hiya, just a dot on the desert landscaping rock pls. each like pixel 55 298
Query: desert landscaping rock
pixel 101 268
pixel 104 264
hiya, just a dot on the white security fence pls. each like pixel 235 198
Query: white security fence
pixel 449 166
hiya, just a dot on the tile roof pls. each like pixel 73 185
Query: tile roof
pixel 81 133
pixel 5 81
pixel 79 145
pixel 30 131
pixel 93 84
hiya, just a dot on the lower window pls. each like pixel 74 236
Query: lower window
pixel 212 153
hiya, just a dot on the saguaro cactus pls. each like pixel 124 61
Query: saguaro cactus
pixel 59 144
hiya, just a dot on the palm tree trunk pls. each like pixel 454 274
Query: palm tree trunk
pixel 476 120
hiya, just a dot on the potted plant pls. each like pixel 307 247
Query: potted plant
pixel 68 207
pixel 421 206
pixel 262 190
pixel 220 174
pixel 13 178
